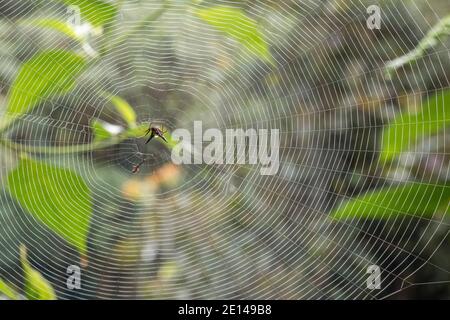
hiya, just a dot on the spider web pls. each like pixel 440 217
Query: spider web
pixel 226 231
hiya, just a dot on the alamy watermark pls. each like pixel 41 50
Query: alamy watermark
pixel 74 278
pixel 373 282
pixel 374 20
pixel 236 146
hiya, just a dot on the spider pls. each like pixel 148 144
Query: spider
pixel 137 167
pixel 155 131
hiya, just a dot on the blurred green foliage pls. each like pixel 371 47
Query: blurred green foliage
pixel 412 199
pixel 37 79
pixel 236 24
pixel 433 37
pixel 96 12
pixel 404 132
pixel 36 287
pixel 38 187
pixel 6 289
pixel 165 257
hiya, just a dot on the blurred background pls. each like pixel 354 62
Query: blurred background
pixel 358 89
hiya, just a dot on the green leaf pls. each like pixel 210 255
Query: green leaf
pixel 100 132
pixel 138 131
pixel 407 129
pixel 104 130
pixel 234 23
pixel 412 199
pixel 96 12
pixel 36 287
pixel 53 24
pixel 80 34
pixel 46 74
pixel 8 291
pixel 125 110
pixel 57 197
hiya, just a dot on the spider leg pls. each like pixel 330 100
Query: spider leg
pixel 162 137
pixel 152 135
pixel 163 133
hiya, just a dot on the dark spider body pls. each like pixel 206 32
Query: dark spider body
pixel 155 132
